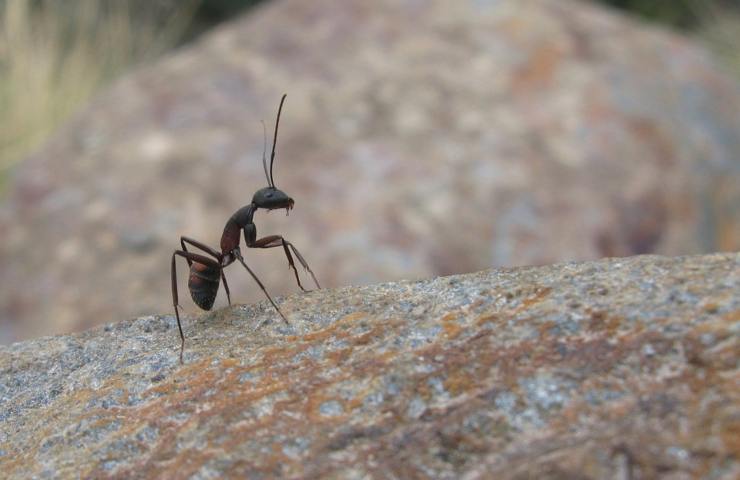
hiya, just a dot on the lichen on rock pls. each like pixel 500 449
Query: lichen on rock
pixel 419 139
pixel 619 368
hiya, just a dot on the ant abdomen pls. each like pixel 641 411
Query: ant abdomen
pixel 203 284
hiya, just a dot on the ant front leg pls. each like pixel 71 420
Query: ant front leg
pixel 211 251
pixel 238 256
pixel 272 241
pixel 190 257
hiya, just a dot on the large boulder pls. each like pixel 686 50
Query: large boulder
pixel 418 138
pixel 622 368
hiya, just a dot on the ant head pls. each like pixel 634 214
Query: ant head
pixel 271 198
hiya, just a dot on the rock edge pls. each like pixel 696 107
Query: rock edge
pixel 623 368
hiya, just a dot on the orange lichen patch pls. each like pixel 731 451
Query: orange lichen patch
pixel 483 319
pixel 224 409
pixel 730 435
pixel 596 318
pixel 719 327
pixel 451 326
pixel 546 327
pixel 459 382
pixel 314 403
pixel 357 401
pixel 366 337
pixel 602 322
pixel 229 362
pixel 710 307
pixel 376 362
pixel 269 385
pixel 722 355
pixel 528 303
pixel 539 295
pixel 165 388
pixel 273 355
pixel 500 365
pixel 338 357
pixel 339 326
pixel 353 317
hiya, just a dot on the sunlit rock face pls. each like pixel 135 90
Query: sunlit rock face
pixel 621 368
pixel 417 139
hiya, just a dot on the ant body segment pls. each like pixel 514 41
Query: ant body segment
pixel 206 273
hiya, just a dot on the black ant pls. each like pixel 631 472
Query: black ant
pixel 206 273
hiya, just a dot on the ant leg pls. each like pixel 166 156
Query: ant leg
pixel 226 286
pixel 241 260
pixel 303 262
pixel 277 241
pixel 173 272
pixel 190 257
pixel 195 243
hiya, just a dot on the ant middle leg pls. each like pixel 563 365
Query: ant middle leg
pixel 190 257
pixel 272 241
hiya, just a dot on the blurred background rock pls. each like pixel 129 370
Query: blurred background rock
pixel 418 138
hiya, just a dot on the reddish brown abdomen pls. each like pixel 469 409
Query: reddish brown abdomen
pixel 203 284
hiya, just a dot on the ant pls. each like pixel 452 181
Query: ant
pixel 206 273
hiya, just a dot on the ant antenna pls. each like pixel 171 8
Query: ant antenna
pixel 264 151
pixel 274 140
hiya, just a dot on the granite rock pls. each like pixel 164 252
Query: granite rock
pixel 619 368
pixel 418 139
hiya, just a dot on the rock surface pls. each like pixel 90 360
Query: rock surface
pixel 620 368
pixel 418 139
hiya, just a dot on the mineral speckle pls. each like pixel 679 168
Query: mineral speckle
pixel 607 369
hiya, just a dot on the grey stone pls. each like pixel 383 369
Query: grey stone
pixel 418 139
pixel 503 389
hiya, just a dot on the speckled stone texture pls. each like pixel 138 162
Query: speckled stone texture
pixel 419 138
pixel 621 368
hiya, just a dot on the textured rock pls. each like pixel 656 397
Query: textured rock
pixel 621 368
pixel 418 139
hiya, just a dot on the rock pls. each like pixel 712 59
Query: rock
pixel 620 368
pixel 418 139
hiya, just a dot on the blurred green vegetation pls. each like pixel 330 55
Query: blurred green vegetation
pixel 54 55
pixel 716 23
pixel 213 12
pixel 683 14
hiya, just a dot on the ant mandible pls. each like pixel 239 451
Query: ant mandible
pixel 206 273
